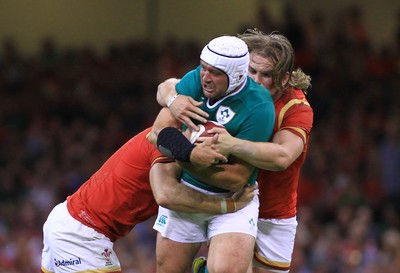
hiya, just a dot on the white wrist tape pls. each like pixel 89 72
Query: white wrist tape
pixel 224 207
pixel 172 100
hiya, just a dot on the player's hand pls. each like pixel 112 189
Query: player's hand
pixel 185 108
pixel 244 196
pixel 224 141
pixel 204 156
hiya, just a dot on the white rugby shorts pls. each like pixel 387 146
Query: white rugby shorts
pixel 201 227
pixel 70 246
pixel 275 244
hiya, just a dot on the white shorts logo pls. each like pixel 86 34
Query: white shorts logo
pixel 224 114
pixel 71 261
pixel 162 220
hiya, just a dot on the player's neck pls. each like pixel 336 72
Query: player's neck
pixel 278 95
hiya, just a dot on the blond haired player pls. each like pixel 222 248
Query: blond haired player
pixel 246 110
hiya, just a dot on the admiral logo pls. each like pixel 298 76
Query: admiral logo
pixel 69 262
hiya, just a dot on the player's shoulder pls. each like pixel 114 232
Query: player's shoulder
pixel 140 142
pixel 257 91
pixel 190 83
pixel 142 135
pixel 294 98
pixel 293 103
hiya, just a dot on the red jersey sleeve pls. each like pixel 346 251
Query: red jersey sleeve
pixel 278 189
pixel 295 115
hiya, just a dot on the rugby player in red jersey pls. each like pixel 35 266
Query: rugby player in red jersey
pixel 79 233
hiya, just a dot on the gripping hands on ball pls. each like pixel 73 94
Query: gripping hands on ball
pixel 173 144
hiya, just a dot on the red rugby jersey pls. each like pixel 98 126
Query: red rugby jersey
pixel 278 189
pixel 118 196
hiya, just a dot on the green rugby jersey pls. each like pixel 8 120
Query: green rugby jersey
pixel 247 114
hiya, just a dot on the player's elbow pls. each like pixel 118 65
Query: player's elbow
pixel 282 163
pixel 237 176
pixel 159 96
pixel 153 137
pixel 164 200
pixel 238 183
pixel 164 89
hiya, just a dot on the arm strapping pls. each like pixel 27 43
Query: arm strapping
pixel 173 144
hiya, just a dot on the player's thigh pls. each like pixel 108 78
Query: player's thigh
pixel 182 227
pixel 174 256
pixel 232 240
pixel 230 252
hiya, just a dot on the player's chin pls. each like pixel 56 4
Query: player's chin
pixel 209 92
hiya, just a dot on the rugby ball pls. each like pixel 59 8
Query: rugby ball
pixel 202 132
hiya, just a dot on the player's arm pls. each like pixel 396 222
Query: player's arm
pixel 173 144
pixel 176 196
pixel 166 136
pixel 274 156
pixel 232 176
pixel 164 119
pixel 183 107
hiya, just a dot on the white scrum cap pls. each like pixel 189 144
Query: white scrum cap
pixel 229 54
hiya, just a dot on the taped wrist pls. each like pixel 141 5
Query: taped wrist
pixel 173 144
pixel 228 205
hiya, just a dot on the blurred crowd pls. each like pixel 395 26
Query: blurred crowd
pixel 64 111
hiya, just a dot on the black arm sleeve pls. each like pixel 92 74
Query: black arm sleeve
pixel 173 144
